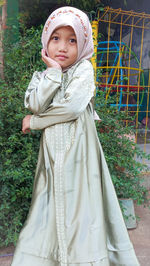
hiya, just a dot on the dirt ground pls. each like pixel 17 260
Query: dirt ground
pixel 6 261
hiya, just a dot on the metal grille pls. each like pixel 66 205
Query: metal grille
pixel 122 64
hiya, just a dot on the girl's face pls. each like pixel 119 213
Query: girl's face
pixel 62 46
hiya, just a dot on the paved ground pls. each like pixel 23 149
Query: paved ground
pixel 6 261
pixel 140 238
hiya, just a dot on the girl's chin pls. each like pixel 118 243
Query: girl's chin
pixel 63 65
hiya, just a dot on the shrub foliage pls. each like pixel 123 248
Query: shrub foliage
pixel 18 152
pixel 122 154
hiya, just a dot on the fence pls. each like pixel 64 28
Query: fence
pixel 122 50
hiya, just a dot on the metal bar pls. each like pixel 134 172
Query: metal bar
pixel 133 13
pixel 139 27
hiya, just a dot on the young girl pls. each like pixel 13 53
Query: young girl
pixel 74 219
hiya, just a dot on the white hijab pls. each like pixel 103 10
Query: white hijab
pixel 78 20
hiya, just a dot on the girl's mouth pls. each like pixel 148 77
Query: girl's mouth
pixel 61 57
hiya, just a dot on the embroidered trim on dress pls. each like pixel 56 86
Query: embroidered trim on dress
pixel 59 193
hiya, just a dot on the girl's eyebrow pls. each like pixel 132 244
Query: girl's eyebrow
pixel 55 32
pixel 71 35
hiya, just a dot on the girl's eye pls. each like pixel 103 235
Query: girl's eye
pixel 55 38
pixel 73 40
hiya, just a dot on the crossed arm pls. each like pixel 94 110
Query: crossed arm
pixel 33 97
pixel 77 96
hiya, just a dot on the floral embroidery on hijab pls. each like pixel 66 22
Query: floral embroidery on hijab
pixel 65 12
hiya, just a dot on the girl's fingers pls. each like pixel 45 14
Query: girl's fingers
pixel 26 124
pixel 43 52
pixel 48 61
pixel 26 131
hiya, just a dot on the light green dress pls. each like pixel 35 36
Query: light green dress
pixel 75 218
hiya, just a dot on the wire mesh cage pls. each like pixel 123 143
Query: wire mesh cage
pixel 122 66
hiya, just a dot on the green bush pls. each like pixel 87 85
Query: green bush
pixel 18 152
pixel 120 150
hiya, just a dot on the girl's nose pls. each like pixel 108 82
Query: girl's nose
pixel 63 47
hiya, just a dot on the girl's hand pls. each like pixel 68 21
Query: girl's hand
pixel 26 124
pixel 48 61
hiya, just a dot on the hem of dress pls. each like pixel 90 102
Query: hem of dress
pixel 55 256
pixel 23 258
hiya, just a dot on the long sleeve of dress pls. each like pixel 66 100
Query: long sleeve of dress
pixel 42 89
pixel 77 96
